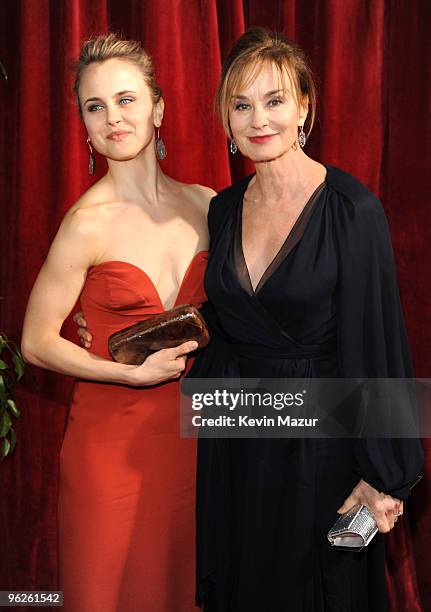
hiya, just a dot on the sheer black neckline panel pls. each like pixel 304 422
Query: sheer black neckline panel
pixel 292 239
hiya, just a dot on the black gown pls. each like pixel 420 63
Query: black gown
pixel 327 306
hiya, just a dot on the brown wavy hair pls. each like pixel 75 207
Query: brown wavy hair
pixel 254 48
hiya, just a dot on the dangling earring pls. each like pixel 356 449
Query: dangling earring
pixel 161 151
pixel 302 138
pixel 92 160
pixel 233 148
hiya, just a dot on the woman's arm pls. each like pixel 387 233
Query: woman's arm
pixel 54 294
pixel 372 343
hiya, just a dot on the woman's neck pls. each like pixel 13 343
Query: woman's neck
pixel 140 179
pixel 286 178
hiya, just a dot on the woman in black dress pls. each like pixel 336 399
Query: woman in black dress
pixel 302 280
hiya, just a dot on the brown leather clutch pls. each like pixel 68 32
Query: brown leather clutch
pixel 133 344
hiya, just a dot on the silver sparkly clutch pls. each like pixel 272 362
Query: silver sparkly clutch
pixel 354 529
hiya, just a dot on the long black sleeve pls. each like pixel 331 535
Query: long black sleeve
pixel 372 341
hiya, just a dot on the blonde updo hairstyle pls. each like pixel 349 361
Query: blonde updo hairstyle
pixel 109 46
pixel 254 48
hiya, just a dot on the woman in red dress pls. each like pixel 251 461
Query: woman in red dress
pixel 135 244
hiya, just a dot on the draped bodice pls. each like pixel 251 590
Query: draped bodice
pixel 293 314
pixel 296 301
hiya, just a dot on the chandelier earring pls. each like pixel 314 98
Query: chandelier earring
pixel 161 151
pixel 233 147
pixel 92 160
pixel 302 138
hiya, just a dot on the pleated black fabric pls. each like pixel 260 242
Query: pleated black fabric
pixel 328 307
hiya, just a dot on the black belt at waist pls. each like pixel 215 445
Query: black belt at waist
pixel 288 350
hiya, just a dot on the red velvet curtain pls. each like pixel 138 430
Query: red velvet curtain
pixel 371 60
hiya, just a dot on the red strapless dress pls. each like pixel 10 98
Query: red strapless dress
pixel 127 486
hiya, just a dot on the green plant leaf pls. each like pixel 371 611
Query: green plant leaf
pixel 8 407
pixel 3 395
pixel 19 365
pixel 13 408
pixel 12 440
pixel 5 448
pixel 5 424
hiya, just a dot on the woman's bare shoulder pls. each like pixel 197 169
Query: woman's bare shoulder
pixel 198 194
pixel 202 191
pixel 93 209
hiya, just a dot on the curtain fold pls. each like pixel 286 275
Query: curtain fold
pixel 405 191
pixel 371 61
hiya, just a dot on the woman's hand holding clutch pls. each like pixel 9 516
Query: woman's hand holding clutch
pixel 384 508
pixel 166 364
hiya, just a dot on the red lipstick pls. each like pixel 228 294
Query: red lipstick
pixel 117 135
pixel 261 139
